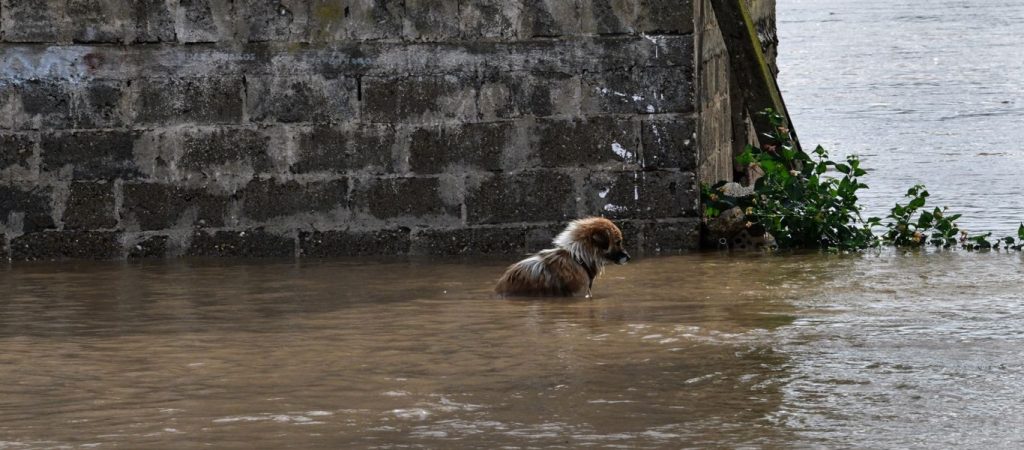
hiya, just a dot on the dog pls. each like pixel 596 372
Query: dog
pixel 569 269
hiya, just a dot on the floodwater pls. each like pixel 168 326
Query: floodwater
pixel 701 350
pixel 925 91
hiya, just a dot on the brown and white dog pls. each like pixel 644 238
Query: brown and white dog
pixel 569 269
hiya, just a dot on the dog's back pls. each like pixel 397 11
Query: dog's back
pixel 548 273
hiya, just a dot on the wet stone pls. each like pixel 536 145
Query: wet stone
pixel 248 244
pixel 203 149
pixel 30 20
pixel 424 99
pixel 153 21
pixel 391 198
pixel 90 206
pixel 470 241
pixel 93 155
pixel 267 199
pixel 151 247
pixel 340 149
pixel 155 206
pixel 216 100
pixel 581 143
pixel 525 197
pixel 56 245
pixel 308 99
pixel 641 195
pixel 96 21
pixel 16 151
pixel 26 210
pixel 335 243
pixel 669 143
pixel 276 20
pixel 479 145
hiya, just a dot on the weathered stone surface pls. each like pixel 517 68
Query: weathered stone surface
pixel 391 198
pixel 661 236
pixel 30 20
pixel 215 100
pixel 25 209
pixel 267 199
pixel 44 103
pixel 511 95
pixel 151 206
pixel 431 20
pixel 334 243
pixel 55 245
pixel 652 90
pixel 203 21
pixel 433 149
pixel 16 151
pixel 641 195
pixel 669 142
pixel 356 20
pixel 276 20
pixel 90 206
pixel 91 155
pixel 4 255
pixel 248 243
pixel 307 99
pixel 526 197
pixel 341 149
pixel 210 148
pixel 150 247
pixel 582 143
pixel 636 16
pixel 496 19
pixel 423 99
pixel 154 21
pixel 470 241
pixel 96 21
pixel 549 18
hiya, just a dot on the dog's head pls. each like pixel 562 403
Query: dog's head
pixel 604 237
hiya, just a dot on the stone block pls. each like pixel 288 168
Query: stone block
pixel 30 20
pixel 276 20
pixel 207 149
pixel 248 244
pixel 390 198
pixel 56 245
pixel 199 21
pixel 149 247
pixel 549 18
pixel 26 209
pixel 525 197
pixel 264 199
pixel 339 243
pixel 419 99
pixel 650 90
pixel 613 53
pixel 356 20
pixel 669 142
pixel 597 141
pixel 152 206
pixel 97 21
pixel 606 17
pixel 490 19
pixel 90 155
pixel 301 99
pixel 664 17
pixel 661 236
pixel 16 152
pixel 542 94
pixel 90 206
pixel 153 21
pixel 214 100
pixel 641 195
pixel 343 149
pixel 45 103
pixel 470 241
pixel 431 20
pixel 433 149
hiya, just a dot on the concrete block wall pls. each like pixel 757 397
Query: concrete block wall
pixel 165 128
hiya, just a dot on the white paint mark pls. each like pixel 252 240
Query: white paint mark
pixel 615 208
pixel 604 192
pixel 650 109
pixel 621 151
pixel 637 98
pixel 655 41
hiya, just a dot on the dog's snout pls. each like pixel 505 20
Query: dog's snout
pixel 623 257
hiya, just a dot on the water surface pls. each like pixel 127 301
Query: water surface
pixel 925 91
pixel 692 351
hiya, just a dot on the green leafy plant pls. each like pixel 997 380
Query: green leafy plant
pixel 810 201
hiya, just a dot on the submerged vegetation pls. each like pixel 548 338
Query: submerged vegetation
pixel 810 201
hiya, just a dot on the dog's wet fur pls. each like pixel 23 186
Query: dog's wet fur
pixel 580 254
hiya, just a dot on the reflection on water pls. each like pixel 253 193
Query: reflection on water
pixel 925 91
pixel 697 350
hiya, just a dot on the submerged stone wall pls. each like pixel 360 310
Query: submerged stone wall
pixel 162 128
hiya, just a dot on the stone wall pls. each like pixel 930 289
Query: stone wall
pixel 163 128
pixel 723 124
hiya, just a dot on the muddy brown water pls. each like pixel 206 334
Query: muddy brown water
pixel 700 350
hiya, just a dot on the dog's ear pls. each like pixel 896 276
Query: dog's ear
pixel 601 239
